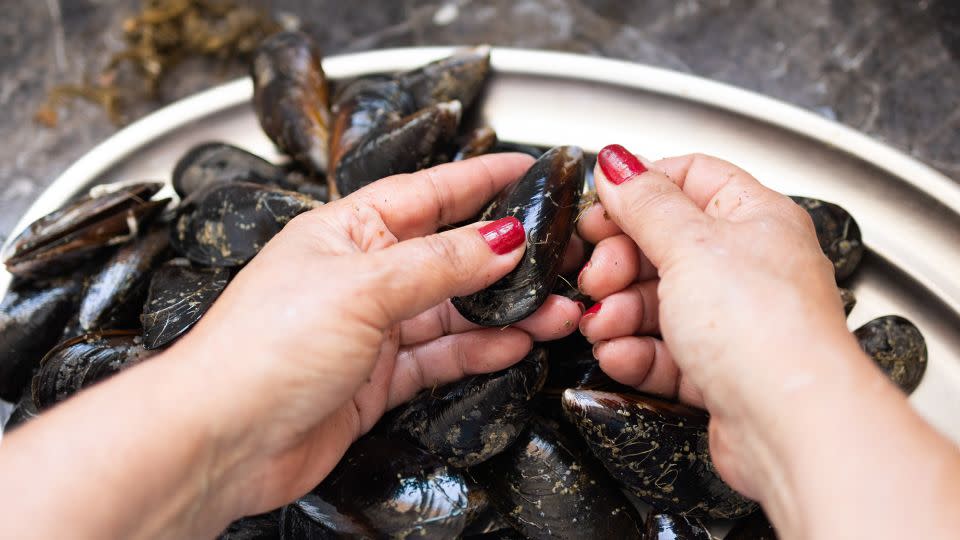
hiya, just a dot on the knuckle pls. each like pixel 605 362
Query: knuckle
pixel 442 248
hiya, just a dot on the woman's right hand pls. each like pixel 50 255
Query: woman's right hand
pixel 732 277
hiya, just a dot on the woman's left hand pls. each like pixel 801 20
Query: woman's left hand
pixel 345 314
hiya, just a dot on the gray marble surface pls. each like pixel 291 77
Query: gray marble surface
pixel 890 68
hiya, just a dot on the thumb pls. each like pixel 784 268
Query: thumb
pixel 645 203
pixel 418 274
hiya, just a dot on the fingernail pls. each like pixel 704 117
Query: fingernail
pixel 594 309
pixel 618 164
pixel 581 307
pixel 580 275
pixel 596 349
pixel 503 235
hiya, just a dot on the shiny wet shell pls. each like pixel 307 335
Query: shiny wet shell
pixel 179 295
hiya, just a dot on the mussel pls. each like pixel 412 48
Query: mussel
pixel 290 97
pixel 471 420
pixel 897 347
pixel 849 300
pixel 476 143
pixel 402 146
pixel 459 77
pixel 23 412
pixel 397 489
pixel 213 162
pixel 80 362
pixel 547 487
pixel 837 232
pixel 121 277
pixel 32 317
pixel 756 526
pixel 661 526
pixel 258 527
pixel 179 295
pixel 545 201
pixel 227 224
pixel 311 517
pixel 657 449
pixel 59 241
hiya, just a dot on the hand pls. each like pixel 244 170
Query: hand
pixel 345 314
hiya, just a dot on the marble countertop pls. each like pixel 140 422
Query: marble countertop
pixel 890 69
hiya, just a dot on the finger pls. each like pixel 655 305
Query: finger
pixel 574 256
pixel 416 204
pixel 647 205
pixel 719 187
pixel 646 364
pixel 616 262
pixel 634 310
pixel 556 318
pixel 450 358
pixel 417 274
pixel 595 224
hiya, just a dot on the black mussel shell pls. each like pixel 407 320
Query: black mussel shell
pixel 499 534
pixel 897 347
pixel 290 97
pixel 471 420
pixel 398 489
pixel 209 163
pixel 32 318
pixel 545 201
pixel 311 517
pixel 24 411
pixel 837 232
pixel 458 77
pixel 229 223
pixel 258 527
pixel 756 526
pixel 546 486
pixel 179 295
pixel 674 527
pixel 121 277
pixel 482 516
pixel 477 143
pixel 59 241
pixel 675 473
pixel 364 106
pixel 404 146
pixel 299 179
pixel 83 361
pixel 849 300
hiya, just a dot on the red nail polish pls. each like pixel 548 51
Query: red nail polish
pixel 503 235
pixel 580 275
pixel 594 309
pixel 618 164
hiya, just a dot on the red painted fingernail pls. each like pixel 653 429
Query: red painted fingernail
pixel 618 164
pixel 594 309
pixel 503 235
pixel 580 275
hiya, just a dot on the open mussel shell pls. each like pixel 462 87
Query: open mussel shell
pixel 80 362
pixel 362 107
pixel 471 420
pixel 657 449
pixel 897 347
pixel 837 232
pixel 59 241
pixel 121 277
pixel 229 223
pixel 403 146
pixel 290 97
pixel 209 163
pixel 476 143
pixel 178 296
pixel 756 526
pixel 32 318
pixel 547 486
pixel 397 489
pixel 258 527
pixel 459 76
pixel 311 517
pixel 545 201
pixel 674 527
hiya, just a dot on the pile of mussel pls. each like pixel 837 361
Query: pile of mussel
pixel 549 447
